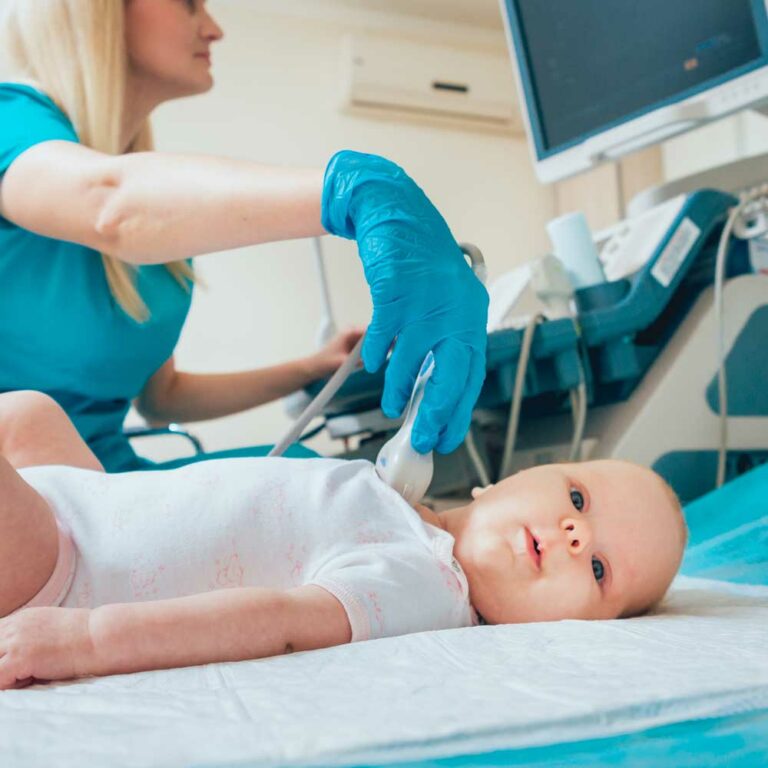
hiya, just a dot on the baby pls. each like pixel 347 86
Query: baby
pixel 246 558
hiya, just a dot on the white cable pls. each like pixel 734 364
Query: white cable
pixel 722 379
pixel 476 459
pixel 579 410
pixel 579 403
pixel 348 366
pixel 721 373
pixel 517 396
pixel 315 408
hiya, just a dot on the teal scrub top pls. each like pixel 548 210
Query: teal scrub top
pixel 61 332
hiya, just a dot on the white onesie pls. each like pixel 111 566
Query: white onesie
pixel 266 522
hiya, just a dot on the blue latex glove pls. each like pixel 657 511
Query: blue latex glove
pixel 424 294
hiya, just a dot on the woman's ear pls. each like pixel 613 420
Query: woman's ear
pixel 478 492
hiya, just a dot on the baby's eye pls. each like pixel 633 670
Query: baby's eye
pixel 577 499
pixel 598 569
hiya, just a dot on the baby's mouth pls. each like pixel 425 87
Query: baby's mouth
pixel 528 545
pixel 534 549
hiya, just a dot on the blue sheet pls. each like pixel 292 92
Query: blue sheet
pixel 729 532
pixel 738 741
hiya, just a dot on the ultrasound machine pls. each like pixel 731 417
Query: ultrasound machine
pixel 660 359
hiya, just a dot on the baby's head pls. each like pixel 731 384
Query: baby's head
pixel 595 540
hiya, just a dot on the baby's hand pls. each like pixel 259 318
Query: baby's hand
pixel 42 644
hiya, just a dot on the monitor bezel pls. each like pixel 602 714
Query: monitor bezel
pixel 690 109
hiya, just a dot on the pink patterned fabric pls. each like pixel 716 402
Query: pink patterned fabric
pixel 58 585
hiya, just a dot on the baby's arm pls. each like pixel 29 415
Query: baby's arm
pixel 225 625
pixel 35 431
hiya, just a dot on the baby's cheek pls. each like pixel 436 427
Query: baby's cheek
pixel 561 596
pixel 488 552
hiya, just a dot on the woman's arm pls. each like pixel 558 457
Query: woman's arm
pixel 35 431
pixel 172 395
pixel 151 208
pixel 227 625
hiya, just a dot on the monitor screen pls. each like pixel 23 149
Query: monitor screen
pixel 589 65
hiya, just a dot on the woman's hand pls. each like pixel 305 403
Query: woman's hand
pixel 425 296
pixel 334 353
pixel 43 644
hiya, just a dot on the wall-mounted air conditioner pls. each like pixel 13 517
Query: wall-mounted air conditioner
pixel 390 77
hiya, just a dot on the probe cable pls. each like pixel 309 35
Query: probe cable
pixel 517 395
pixel 722 376
pixel 578 397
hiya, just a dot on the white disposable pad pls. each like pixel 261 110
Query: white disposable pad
pixel 421 696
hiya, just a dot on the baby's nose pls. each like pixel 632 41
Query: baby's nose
pixel 577 534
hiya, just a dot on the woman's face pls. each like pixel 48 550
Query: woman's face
pixel 169 46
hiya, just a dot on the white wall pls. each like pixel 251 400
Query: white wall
pixel 276 101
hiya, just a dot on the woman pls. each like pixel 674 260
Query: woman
pixel 96 233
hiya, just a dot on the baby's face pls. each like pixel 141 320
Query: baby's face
pixel 594 540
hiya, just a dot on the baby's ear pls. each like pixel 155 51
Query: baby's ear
pixel 478 492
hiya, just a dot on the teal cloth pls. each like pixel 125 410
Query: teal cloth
pixel 729 531
pixel 296 451
pixel 61 332
pixel 735 741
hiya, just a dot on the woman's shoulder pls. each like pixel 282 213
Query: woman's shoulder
pixel 26 101
pixel 22 92
pixel 28 117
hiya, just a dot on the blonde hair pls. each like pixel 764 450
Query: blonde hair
pixel 75 52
